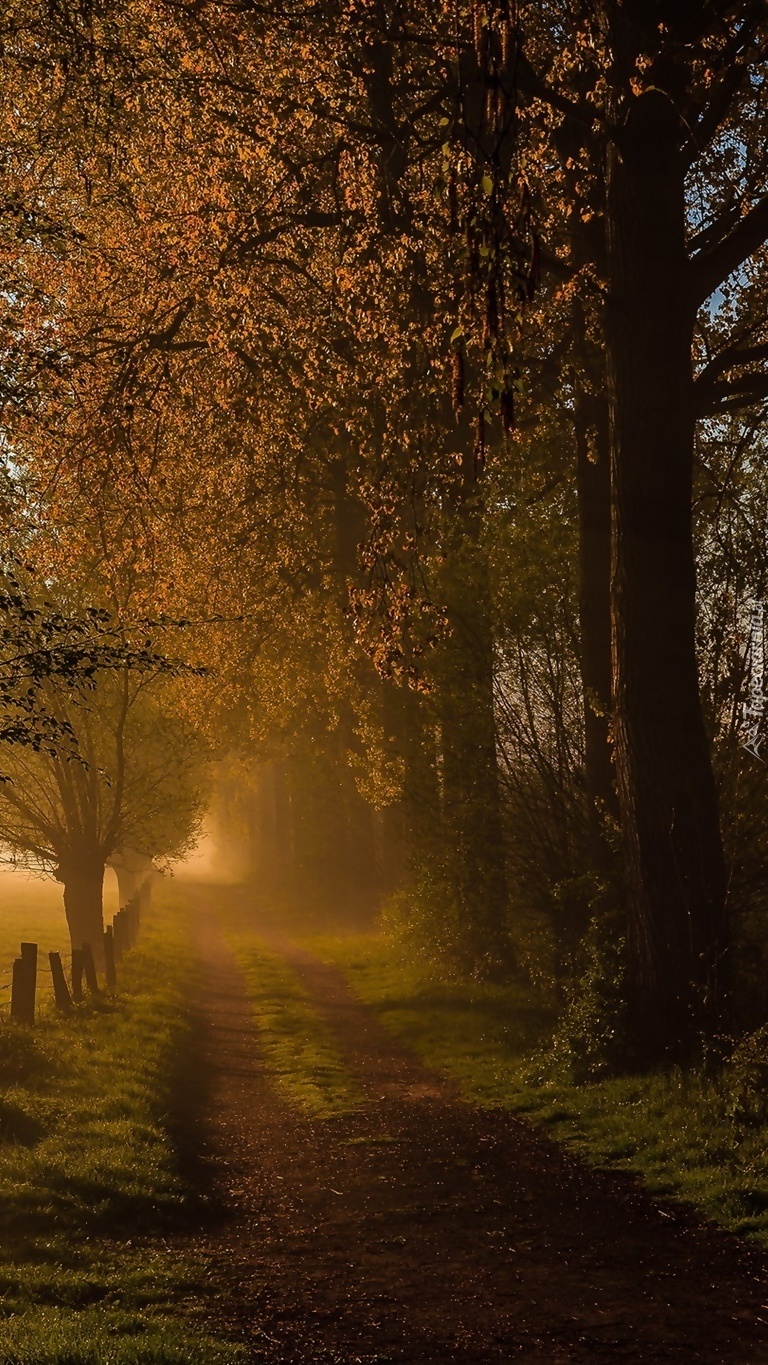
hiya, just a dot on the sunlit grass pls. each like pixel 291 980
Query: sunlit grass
pixel 105 1336
pixel 297 1047
pixel 89 1183
pixel 678 1131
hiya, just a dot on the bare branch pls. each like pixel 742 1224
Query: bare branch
pixel 710 268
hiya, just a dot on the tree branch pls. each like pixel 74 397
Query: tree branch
pixel 737 59
pixel 710 268
pixel 531 83
pixel 731 395
pixel 731 358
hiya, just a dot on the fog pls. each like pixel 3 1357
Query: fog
pixel 212 860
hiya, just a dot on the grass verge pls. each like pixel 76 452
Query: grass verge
pixel 688 1136
pixel 90 1189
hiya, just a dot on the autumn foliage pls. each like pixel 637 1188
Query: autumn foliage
pixel 415 355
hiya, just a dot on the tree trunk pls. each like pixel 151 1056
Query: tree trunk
pixel 416 820
pixel 669 810
pixel 593 479
pixel 83 881
pixel 471 790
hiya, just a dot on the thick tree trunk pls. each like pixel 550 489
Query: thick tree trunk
pixel 83 881
pixel 593 476
pixel 669 809
pixel 470 778
pixel 414 824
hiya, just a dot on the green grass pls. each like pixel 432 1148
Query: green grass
pixel 90 1190
pixel 105 1336
pixel 683 1133
pixel 297 1047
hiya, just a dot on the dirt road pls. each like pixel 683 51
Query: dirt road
pixel 423 1228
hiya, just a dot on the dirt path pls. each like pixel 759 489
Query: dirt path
pixel 422 1228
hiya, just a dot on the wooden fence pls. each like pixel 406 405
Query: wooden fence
pixel 119 937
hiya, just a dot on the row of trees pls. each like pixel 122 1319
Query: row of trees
pixel 420 353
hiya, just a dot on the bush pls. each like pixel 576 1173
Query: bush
pixel 745 1079
pixel 424 918
pixel 590 1041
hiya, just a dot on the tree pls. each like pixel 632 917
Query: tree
pixel 133 779
pixel 652 96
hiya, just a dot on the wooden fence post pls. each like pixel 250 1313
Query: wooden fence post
pixel 60 988
pixel 117 935
pixel 18 1002
pixel 24 984
pixel 77 975
pixel 89 968
pixel 29 958
pixel 110 975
